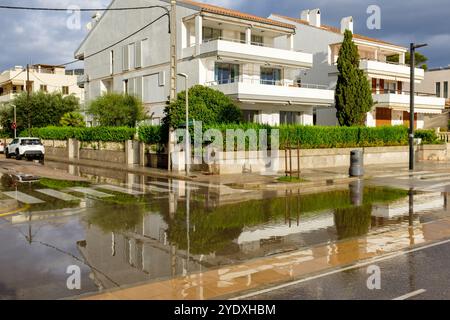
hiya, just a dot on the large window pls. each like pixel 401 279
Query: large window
pixel 226 73
pixel 438 89
pixel 211 34
pixel 290 117
pixel 271 76
pixel 446 89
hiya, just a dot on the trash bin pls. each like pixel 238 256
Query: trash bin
pixel 356 163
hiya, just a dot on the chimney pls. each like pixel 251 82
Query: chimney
pixel 314 17
pixel 346 24
pixel 304 15
pixel 94 19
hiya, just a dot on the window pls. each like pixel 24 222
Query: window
pixel 446 89
pixel 1 91
pixel 125 86
pixel 161 79
pixel 43 87
pixel 255 39
pixel 132 55
pixel 65 90
pixel 111 62
pixel 125 59
pixel 211 34
pixel 226 72
pixel 290 117
pixel 250 116
pixel 271 76
pixel 438 89
pixel 138 54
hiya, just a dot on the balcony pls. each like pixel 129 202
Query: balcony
pixel 253 91
pixel 389 71
pixel 424 103
pixel 235 49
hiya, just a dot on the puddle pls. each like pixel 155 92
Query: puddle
pixel 124 229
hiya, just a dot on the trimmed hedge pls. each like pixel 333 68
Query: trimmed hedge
pixel 427 136
pixel 150 134
pixel 105 134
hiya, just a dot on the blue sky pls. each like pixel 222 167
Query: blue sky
pixel 42 37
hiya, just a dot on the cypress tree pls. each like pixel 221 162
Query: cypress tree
pixel 353 97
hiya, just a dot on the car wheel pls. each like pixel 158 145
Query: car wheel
pixel 18 156
pixel 7 155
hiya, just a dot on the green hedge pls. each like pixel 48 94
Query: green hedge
pixel 105 134
pixel 427 136
pixel 150 134
pixel 4 134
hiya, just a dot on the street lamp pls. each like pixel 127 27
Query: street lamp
pixel 412 67
pixel 187 139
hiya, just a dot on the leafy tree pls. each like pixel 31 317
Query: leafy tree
pixel 40 110
pixel 353 97
pixel 205 104
pixel 115 110
pixel 421 60
pixel 72 119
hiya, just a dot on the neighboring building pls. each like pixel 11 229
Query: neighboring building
pixel 436 83
pixel 390 82
pixel 42 77
pixel 231 51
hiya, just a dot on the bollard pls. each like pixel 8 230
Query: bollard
pixel 356 164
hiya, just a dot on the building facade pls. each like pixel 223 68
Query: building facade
pixel 390 81
pixel 251 59
pixel 45 78
pixel 436 83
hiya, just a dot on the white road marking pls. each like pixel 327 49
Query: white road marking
pixel 398 175
pixel 91 192
pixel 22 197
pixel 437 186
pixel 58 195
pixel 150 188
pixel 120 189
pixel 411 294
pixel 172 185
pixel 356 266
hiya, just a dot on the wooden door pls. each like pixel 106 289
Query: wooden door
pixel 383 117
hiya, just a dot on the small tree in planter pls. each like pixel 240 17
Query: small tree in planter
pixel 72 119
pixel 353 97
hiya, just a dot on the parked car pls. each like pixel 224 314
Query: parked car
pixel 29 148
pixel 2 147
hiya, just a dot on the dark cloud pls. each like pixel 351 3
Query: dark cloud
pixel 44 38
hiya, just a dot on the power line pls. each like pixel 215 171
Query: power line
pixel 4 82
pixel 117 42
pixel 80 9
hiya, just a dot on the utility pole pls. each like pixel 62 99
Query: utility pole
pixel 15 121
pixel 173 72
pixel 28 88
pixel 412 66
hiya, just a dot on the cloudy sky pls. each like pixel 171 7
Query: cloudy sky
pixel 43 37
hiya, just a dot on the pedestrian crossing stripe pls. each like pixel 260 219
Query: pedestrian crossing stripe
pixel 91 192
pixel 173 185
pixel 22 197
pixel 58 195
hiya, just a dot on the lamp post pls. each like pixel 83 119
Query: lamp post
pixel 187 139
pixel 412 67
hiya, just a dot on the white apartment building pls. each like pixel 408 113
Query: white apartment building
pixel 436 82
pixel 249 58
pixel 390 81
pixel 45 78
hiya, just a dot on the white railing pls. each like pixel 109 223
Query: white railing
pixel 259 44
pixel 268 82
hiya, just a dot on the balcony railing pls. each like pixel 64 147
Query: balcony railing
pixel 404 92
pixel 260 44
pixel 268 82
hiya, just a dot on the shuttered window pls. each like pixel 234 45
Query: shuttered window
pixel 125 58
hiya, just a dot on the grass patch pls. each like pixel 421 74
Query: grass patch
pixel 62 184
pixel 291 179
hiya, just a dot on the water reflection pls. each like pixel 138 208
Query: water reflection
pixel 179 228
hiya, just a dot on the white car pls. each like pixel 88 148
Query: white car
pixel 29 148
pixel 2 147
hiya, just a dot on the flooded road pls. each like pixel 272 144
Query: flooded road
pixel 123 229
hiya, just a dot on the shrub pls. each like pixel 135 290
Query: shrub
pixel 150 134
pixel 72 119
pixel 106 134
pixel 427 136
pixel 113 109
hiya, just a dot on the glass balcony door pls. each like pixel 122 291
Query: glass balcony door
pixel 226 73
pixel 271 76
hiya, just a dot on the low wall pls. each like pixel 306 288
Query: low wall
pixel 254 162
